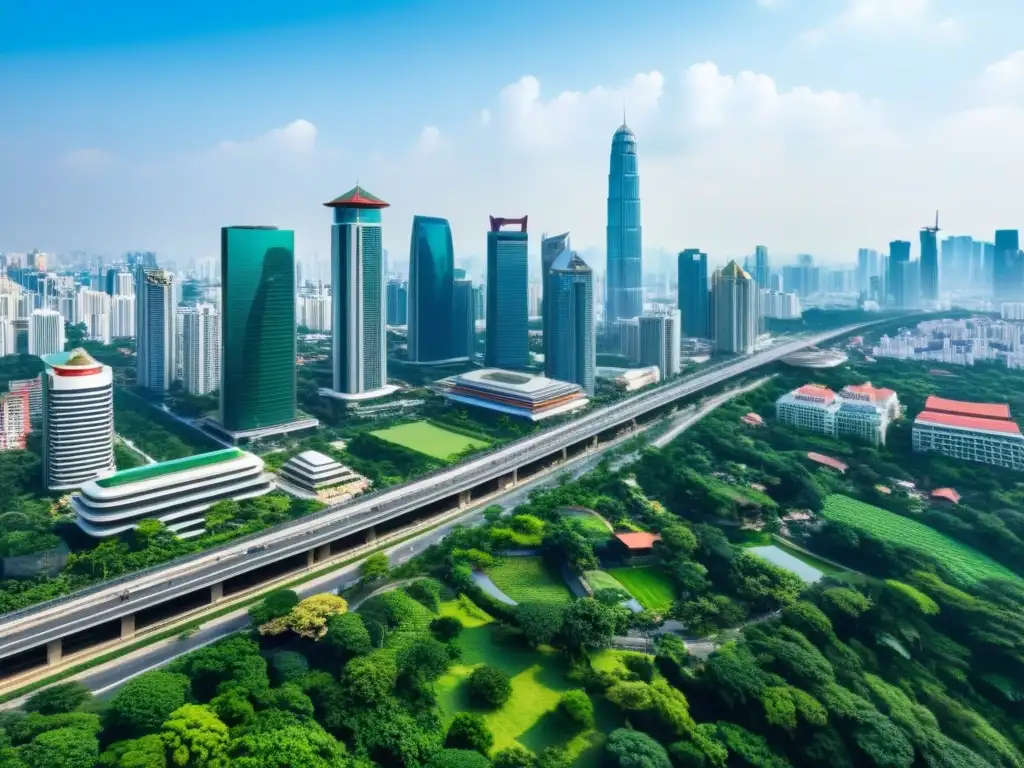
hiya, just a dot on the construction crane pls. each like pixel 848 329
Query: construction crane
pixel 935 229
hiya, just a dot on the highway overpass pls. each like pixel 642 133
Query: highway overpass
pixel 50 632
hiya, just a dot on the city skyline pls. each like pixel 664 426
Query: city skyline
pixel 735 116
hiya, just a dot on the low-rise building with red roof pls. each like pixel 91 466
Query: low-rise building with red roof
pixel 946 496
pixel 752 419
pixel 637 543
pixel 860 410
pixel 961 408
pixel 828 461
pixel 984 439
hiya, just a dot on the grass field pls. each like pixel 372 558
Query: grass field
pixel 538 679
pixel 428 439
pixel 648 585
pixel 962 560
pixel 590 526
pixel 528 579
pixel 601 580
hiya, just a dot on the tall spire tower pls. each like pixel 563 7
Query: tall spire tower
pixel 624 297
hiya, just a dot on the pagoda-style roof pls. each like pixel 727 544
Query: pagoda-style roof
pixel 357 197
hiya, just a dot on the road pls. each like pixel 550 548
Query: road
pixel 131 444
pixel 37 625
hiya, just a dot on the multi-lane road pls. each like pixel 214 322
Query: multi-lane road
pixel 38 625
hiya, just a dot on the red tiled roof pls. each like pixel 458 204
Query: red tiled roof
pixel 875 394
pixel 813 390
pixel 982 410
pixel 967 422
pixel 638 540
pixel 948 494
pixel 357 197
pixel 752 418
pixel 828 461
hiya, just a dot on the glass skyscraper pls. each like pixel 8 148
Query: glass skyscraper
pixel 571 351
pixel 624 290
pixel 397 301
pixel 357 288
pixel 550 249
pixel 899 255
pixel 154 328
pixel 694 301
pixel 257 373
pixel 1007 266
pixel 762 270
pixel 463 319
pixel 930 262
pixel 507 334
pixel 431 290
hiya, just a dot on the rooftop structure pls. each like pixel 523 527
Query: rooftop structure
pixel 812 357
pixel 637 378
pixel 828 461
pixel 516 394
pixel 982 410
pixel 175 492
pixel 946 495
pixel 860 410
pixel 636 541
pixel 752 419
pixel 990 439
pixel 357 197
pixel 313 471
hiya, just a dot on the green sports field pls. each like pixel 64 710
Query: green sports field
pixel 648 585
pixel 427 439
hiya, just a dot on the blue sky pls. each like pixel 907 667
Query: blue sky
pixel 810 125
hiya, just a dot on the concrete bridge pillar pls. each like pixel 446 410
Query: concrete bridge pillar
pixel 323 552
pixel 54 652
pixel 310 557
pixel 465 497
pixel 565 454
pixel 371 535
pixel 594 442
pixel 128 626
pixel 217 592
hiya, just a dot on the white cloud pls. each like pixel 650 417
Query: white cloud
pixel 1002 83
pixel 886 17
pixel 485 116
pixel 430 139
pixel 298 136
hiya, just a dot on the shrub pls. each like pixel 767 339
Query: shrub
pixel 446 628
pixel 57 699
pixel 274 606
pixel 578 707
pixel 469 731
pixel 633 749
pixel 515 756
pixel 426 592
pixel 641 666
pixel 458 758
pixel 489 686
pixel 286 666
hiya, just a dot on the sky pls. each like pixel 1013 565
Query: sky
pixel 809 126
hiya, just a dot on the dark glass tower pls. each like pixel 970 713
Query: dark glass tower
pixel 508 333
pixel 1007 277
pixel 572 348
pixel 694 299
pixel 624 288
pixel 550 249
pixel 930 262
pixel 463 319
pixel 431 290
pixel 899 255
pixel 762 270
pixel 257 379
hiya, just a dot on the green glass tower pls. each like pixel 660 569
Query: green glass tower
pixel 257 380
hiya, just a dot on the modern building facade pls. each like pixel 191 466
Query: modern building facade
pixel 357 287
pixel 522 395
pixel 734 307
pixel 638 378
pixel 861 411
pixel 661 342
pixel 154 328
pixel 8 337
pixel 397 302
pixel 979 432
pixel 257 365
pixel 550 249
pixel 624 297
pixel 200 349
pixel 34 389
pixel 431 290
pixel 45 332
pixel 15 423
pixel 571 350
pixel 694 300
pixel 762 269
pixel 507 323
pixel 313 472
pixel 463 319
pixel 929 266
pixel 1007 266
pixel 78 420
pixel 899 259
pixel 122 316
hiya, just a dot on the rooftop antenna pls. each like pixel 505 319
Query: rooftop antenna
pixel 935 229
pixel 623 112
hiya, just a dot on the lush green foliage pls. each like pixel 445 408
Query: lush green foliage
pixel 528 579
pixel 489 687
pixel 650 586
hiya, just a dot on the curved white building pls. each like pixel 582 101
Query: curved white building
pixel 812 357
pixel 174 492
pixel 78 420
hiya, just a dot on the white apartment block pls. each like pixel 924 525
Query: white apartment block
pixel 122 316
pixel 200 349
pixel 660 342
pixel 8 337
pixel 314 312
pixel 860 410
pixel 979 432
pixel 92 309
pixel 45 332
pixel 779 305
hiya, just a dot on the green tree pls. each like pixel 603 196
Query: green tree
pixel 275 605
pixel 62 748
pixel 309 618
pixel 469 730
pixel 489 687
pixel 427 592
pixel 578 707
pixel 458 758
pixel 195 738
pixel 63 697
pixel 235 661
pixel 143 704
pixel 374 568
pixel 540 622
pixel 286 666
pixel 633 749
pixel 290 743
pixel 590 624
pixel 370 679
pixel 347 635
pixel 446 628
pixel 515 756
pixel 145 752
pixel 422 661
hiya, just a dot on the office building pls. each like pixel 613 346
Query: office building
pixel 34 389
pixel 78 420
pixel 628 334
pixel 122 316
pixel 175 492
pixel 550 249
pixel 1007 266
pixel 660 342
pixel 762 271
pixel 734 308
pixel 522 395
pixel 431 290
pixel 929 264
pixel 862 411
pixel 569 313
pixel 45 332
pixel 694 300
pixel 463 319
pixel 778 305
pixel 359 357
pixel 507 322
pixel 978 432
pixel 624 298
pixel 14 420
pixel 867 268
pixel 899 256
pixel 8 337
pixel 397 301
pixel 200 349
pixel 257 324
pixel 637 378
pixel 154 327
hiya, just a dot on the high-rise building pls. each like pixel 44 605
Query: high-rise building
pixel 92 309
pixel 899 254
pixel 761 267
pixel 550 249
pixel 661 341
pixel 45 332
pixel 507 325
pixel 1007 266
pixel 867 267
pixel 694 304
pixel 569 300
pixel 200 349
pixel 122 317
pixel 625 239
pixel 463 320
pixel 734 299
pixel 257 366
pixel 34 389
pixel 431 287
pixel 314 313
pixel 8 337
pixel 14 420
pixel 929 266
pixel 357 287
pixel 78 420
pixel 154 328
pixel 397 301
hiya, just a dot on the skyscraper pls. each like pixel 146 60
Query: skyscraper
pixel 899 254
pixel 1007 276
pixel 431 290
pixel 625 241
pixel 761 267
pixel 571 351
pixel 154 328
pixel 659 337
pixel 200 349
pixel 357 286
pixel 463 319
pixel 397 300
pixel 257 372
pixel 45 332
pixel 693 293
pixel 929 267
pixel 550 249
pixel 507 331
pixel 734 298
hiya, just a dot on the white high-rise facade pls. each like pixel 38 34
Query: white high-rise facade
pixel 314 312
pixel 122 317
pixel 200 349
pixel 154 326
pixel 92 309
pixel 660 342
pixel 734 310
pixel 124 284
pixel 45 332
pixel 8 337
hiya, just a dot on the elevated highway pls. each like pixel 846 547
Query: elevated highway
pixel 47 632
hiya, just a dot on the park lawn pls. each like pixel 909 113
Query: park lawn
pixel 530 717
pixel 648 585
pixel 611 660
pixel 600 580
pixel 592 527
pixel 529 580
pixel 428 439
